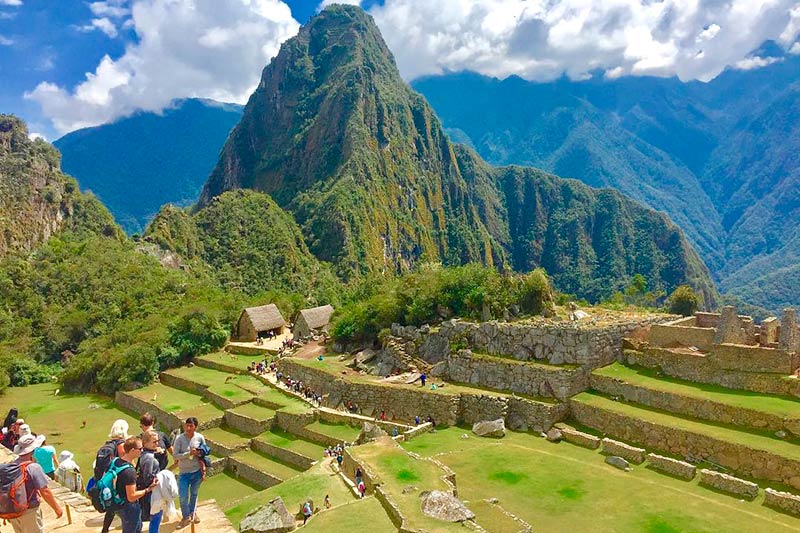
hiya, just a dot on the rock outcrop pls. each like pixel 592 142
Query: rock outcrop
pixel 490 428
pixel 444 506
pixel 271 518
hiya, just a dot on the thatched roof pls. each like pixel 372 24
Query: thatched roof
pixel 265 317
pixel 317 317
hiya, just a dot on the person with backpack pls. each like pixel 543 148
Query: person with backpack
pixel 112 449
pixel 125 494
pixel 22 484
pixel 68 472
pixel 187 451
pixel 307 511
pixel 164 445
pixel 146 470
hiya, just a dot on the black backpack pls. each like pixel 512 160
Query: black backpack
pixel 106 454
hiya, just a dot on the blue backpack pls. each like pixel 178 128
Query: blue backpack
pixel 104 492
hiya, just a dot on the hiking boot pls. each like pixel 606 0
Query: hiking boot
pixel 183 523
pixel 195 518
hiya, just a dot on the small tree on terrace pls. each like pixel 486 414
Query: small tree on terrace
pixel 683 301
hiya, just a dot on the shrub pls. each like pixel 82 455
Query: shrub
pixel 535 295
pixel 197 333
pixel 683 301
pixel 22 371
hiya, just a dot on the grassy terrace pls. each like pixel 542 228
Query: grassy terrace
pixel 316 482
pixel 287 402
pixel 750 438
pixel 267 464
pixel 336 431
pixel 561 487
pixel 781 406
pixel 239 362
pixel 254 411
pixel 359 516
pixel 227 436
pixel 397 470
pixel 226 489
pixel 279 438
pixel 176 401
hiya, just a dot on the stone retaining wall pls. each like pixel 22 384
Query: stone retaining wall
pixel 138 406
pixel 177 382
pixel 521 377
pixel 626 451
pixel 730 484
pixel 538 339
pixel 671 466
pixel 246 424
pixel 392 509
pixel 580 438
pixel 746 461
pixel 222 401
pixel 218 465
pixel 405 402
pixel 671 334
pixel 755 359
pixel 216 365
pixel 242 470
pixel 222 450
pixel 261 402
pixel 283 455
pixel 784 501
pixel 694 407
pixel 702 370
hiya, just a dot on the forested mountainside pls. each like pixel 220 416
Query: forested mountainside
pixel 720 158
pixel 336 137
pixel 141 162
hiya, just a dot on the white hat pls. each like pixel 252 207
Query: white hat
pixel 28 443
pixel 24 429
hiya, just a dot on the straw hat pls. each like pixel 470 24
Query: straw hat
pixel 28 443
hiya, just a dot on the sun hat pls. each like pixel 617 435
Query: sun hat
pixel 28 443
pixel 24 429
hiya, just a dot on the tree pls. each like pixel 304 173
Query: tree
pixel 196 333
pixel 683 301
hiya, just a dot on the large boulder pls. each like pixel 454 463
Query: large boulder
pixel 370 432
pixel 490 428
pixel 273 518
pixel 444 506
pixel 618 462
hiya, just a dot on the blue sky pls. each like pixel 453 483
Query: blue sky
pixel 66 64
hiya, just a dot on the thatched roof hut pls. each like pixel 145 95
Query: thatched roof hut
pixel 255 321
pixel 311 321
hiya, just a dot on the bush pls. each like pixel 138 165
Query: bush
pixel 22 371
pixel 197 333
pixel 683 301
pixel 137 364
pixel 535 295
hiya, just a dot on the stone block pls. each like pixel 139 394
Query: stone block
pixel 626 451
pixel 784 501
pixel 672 466
pixel 730 484
pixel 580 438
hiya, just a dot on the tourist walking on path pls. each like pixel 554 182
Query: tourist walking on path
pixel 31 520
pixel 68 472
pixel 112 449
pixel 146 471
pixel 423 378
pixel 45 456
pixel 163 444
pixel 307 511
pixel 9 435
pixel 130 512
pixel 186 450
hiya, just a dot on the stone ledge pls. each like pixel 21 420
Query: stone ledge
pixel 580 438
pixel 223 450
pixel 179 382
pixel 626 451
pixel 223 402
pixel 283 455
pixel 784 501
pixel 246 424
pixel 727 483
pixel 243 470
pixel 672 466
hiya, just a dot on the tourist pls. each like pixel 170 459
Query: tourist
pixel 9 435
pixel 416 420
pixel 130 512
pixel 339 459
pixel 422 378
pixel 362 489
pixel 327 501
pixel 306 512
pixel 31 520
pixel 112 449
pixel 147 469
pixel 187 453
pixel 68 472
pixel 45 456
pixel 394 431
pixel 359 475
pixel 163 445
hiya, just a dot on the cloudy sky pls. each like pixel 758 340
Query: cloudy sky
pixel 67 64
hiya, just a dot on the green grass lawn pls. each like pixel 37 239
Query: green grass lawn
pixel 240 362
pixel 167 398
pixel 267 464
pixel 360 516
pixel 60 419
pixel 314 483
pixel 254 411
pixel 746 437
pixel 279 438
pixel 231 392
pixel 206 377
pixel 782 406
pixel 226 489
pixel 558 487
pixel 336 431
pixel 226 436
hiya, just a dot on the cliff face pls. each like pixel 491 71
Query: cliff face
pixel 336 137
pixel 36 199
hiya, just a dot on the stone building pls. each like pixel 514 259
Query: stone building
pixel 312 321
pixel 259 322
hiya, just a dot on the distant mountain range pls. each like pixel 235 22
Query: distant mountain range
pixel 721 158
pixel 139 163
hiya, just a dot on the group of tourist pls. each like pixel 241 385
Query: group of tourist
pixel 298 387
pixel 131 478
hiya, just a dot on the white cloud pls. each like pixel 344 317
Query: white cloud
pixel 186 48
pixel 795 49
pixel 109 9
pixel 33 136
pixel 103 24
pixel 326 3
pixel 754 62
pixel 541 39
pixel 13 3
pixel 5 41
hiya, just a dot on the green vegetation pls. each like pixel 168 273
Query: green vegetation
pixel 683 301
pixel 282 439
pixel 336 431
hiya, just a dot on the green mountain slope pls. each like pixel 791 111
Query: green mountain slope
pixel 139 163
pixel 338 139
pixel 36 199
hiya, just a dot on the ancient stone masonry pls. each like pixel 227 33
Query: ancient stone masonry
pixel 730 484
pixel 580 438
pixel 626 451
pixel 784 501
pixel 671 466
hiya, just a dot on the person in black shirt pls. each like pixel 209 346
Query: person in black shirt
pixel 146 470
pixel 130 512
pixel 164 445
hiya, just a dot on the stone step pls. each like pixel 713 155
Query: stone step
pixel 260 469
pixel 748 453
pixel 704 401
